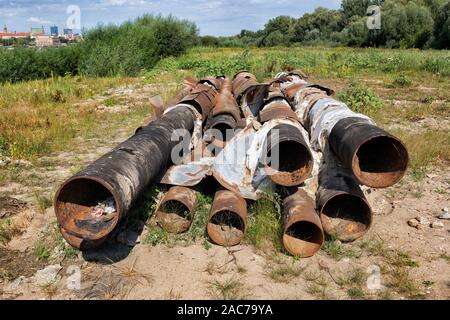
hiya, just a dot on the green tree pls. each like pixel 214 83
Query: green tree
pixel 442 27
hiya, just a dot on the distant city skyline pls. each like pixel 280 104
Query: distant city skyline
pixel 214 17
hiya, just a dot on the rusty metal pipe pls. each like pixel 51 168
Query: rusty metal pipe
pixel 302 230
pixel 377 159
pixel 344 211
pixel 227 219
pixel 176 211
pixel 295 160
pixel 122 175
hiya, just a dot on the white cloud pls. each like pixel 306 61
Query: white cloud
pixel 38 20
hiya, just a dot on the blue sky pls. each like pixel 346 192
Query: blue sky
pixel 214 17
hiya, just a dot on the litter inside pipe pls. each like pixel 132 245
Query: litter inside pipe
pixel 346 217
pixel 303 239
pixel 226 228
pixel 173 216
pixel 381 162
pixel 86 209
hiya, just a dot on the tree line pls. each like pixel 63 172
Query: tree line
pixel 404 24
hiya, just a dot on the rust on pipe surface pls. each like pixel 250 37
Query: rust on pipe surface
pixel 295 160
pixel 344 210
pixel 203 98
pixel 377 159
pixel 176 211
pixel 118 178
pixel 241 83
pixel 227 219
pixel 302 230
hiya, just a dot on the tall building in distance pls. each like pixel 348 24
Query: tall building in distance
pixel 37 31
pixel 68 32
pixel 54 31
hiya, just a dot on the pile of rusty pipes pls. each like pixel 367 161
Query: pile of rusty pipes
pixel 325 151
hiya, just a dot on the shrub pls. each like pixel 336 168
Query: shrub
pixel 361 99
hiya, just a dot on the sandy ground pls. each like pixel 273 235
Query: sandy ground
pixel 198 272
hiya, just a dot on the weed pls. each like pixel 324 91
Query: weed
pixel 42 202
pixel 8 230
pixel 356 293
pixel 285 272
pixel 41 251
pixel 230 289
pixel 361 99
pixel 336 250
pixel 401 81
pixel 264 225
pixel 156 236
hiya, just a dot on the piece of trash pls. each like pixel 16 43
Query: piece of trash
pixel 437 225
pixel 106 207
pixel 445 215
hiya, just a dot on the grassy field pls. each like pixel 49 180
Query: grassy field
pixel 57 126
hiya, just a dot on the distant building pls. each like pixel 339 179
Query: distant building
pixel 68 32
pixel 14 35
pixel 37 31
pixel 54 31
pixel 47 41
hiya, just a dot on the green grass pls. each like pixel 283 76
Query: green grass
pixel 361 99
pixel 264 225
pixel 157 235
pixel 337 250
pixel 285 272
pixel 42 202
pixel 7 230
pixel 230 289
pixel 41 251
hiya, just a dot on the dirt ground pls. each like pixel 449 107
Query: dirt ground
pixel 413 262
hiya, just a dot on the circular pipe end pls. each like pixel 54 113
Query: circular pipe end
pixel 74 203
pixel 346 217
pixel 303 239
pixel 380 162
pixel 226 228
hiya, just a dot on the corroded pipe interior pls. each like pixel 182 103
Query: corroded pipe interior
pixel 226 228
pixel 346 217
pixel 380 162
pixel 227 219
pixel 289 161
pixel 303 239
pixel 73 207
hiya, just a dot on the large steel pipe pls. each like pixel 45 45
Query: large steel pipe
pixel 176 211
pixel 344 210
pixel 117 179
pixel 302 230
pixel 289 161
pixel 377 159
pixel 227 219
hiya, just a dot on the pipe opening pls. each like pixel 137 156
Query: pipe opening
pixel 381 162
pixel 303 239
pixel 174 216
pixel 224 129
pixel 290 155
pixel 226 228
pixel 347 217
pixel 85 208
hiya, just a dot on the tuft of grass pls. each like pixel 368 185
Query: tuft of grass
pixel 285 273
pixel 110 102
pixel 8 229
pixel 41 251
pixel 155 236
pixel 336 250
pixel 42 202
pixel 230 289
pixel 356 293
pixel 264 228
